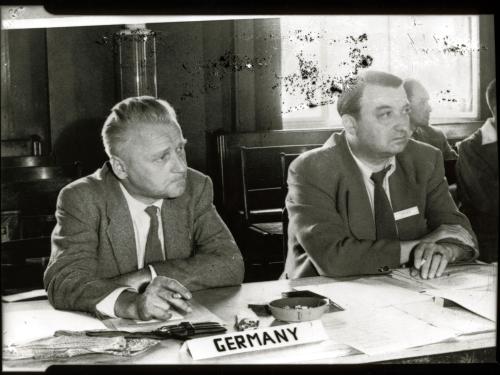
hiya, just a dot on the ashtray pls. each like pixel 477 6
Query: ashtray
pixel 298 309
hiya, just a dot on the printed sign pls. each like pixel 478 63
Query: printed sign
pixel 403 214
pixel 257 339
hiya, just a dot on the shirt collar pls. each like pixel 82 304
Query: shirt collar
pixel 135 205
pixel 488 132
pixel 366 170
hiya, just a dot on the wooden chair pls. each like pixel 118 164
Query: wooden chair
pixel 262 204
pixel 33 191
pixel 23 264
pixel 286 160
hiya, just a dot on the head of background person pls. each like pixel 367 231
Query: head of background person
pixel 491 99
pixel 419 103
pixel 374 111
pixel 145 147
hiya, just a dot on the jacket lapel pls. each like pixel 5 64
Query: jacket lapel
pixel 358 208
pixel 120 228
pixel 405 195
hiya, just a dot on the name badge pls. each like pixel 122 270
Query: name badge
pixel 406 213
pixel 257 339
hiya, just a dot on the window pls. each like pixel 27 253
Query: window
pixel 320 53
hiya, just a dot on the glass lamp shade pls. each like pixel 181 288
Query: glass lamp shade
pixel 135 62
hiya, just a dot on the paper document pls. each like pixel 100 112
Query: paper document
pixel 31 295
pixel 470 276
pixel 481 302
pixel 382 330
pixel 26 321
pixel 366 293
pixel 462 322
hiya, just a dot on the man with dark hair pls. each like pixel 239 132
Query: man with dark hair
pixel 134 238
pixel 419 119
pixel 477 180
pixel 372 199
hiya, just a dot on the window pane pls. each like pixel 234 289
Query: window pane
pixel 320 53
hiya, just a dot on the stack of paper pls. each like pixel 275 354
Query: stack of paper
pixel 366 293
pixel 382 330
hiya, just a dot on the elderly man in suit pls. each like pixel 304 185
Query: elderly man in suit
pixel 419 119
pixel 371 199
pixel 477 180
pixel 134 238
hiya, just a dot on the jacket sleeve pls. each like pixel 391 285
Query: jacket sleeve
pixel 440 207
pixel 71 278
pixel 321 229
pixel 216 260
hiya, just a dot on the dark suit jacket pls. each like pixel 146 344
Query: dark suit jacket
pixel 332 231
pixel 435 137
pixel 94 241
pixel 477 182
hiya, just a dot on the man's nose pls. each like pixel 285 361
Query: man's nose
pixel 403 123
pixel 180 164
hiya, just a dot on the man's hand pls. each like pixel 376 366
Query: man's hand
pixel 450 231
pixel 430 259
pixel 155 302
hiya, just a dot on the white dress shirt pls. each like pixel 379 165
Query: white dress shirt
pixel 140 222
pixel 488 132
pixel 366 172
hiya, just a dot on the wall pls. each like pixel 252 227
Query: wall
pixel 25 108
pixel 61 83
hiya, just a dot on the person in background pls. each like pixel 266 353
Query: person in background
pixel 372 199
pixel 420 116
pixel 477 180
pixel 136 237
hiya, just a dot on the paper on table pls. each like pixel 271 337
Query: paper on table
pixel 470 276
pixel 382 330
pixel 363 293
pixel 481 302
pixel 32 294
pixel 199 313
pixel 455 318
pixel 27 321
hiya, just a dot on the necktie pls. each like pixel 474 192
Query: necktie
pixel 385 224
pixel 153 251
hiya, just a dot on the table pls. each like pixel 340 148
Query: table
pixel 226 302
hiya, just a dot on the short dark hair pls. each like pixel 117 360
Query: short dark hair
pixel 131 112
pixel 491 94
pixel 349 101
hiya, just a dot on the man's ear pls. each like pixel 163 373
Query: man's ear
pixel 350 124
pixel 119 167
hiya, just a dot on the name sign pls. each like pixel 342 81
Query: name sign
pixel 258 339
pixel 403 214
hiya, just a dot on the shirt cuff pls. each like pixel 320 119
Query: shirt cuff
pixel 153 272
pixel 107 305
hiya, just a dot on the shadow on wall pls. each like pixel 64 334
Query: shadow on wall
pixel 81 141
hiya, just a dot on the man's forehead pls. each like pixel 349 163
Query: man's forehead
pixel 151 130
pixel 377 95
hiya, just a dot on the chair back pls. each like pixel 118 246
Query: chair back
pixel 261 180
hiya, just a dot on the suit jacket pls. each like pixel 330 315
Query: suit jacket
pixel 94 240
pixel 477 182
pixel 435 137
pixel 332 230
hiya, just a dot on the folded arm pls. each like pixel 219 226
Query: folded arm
pixel 216 259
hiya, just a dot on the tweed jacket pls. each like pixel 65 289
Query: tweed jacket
pixel 332 230
pixel 477 182
pixel 94 241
